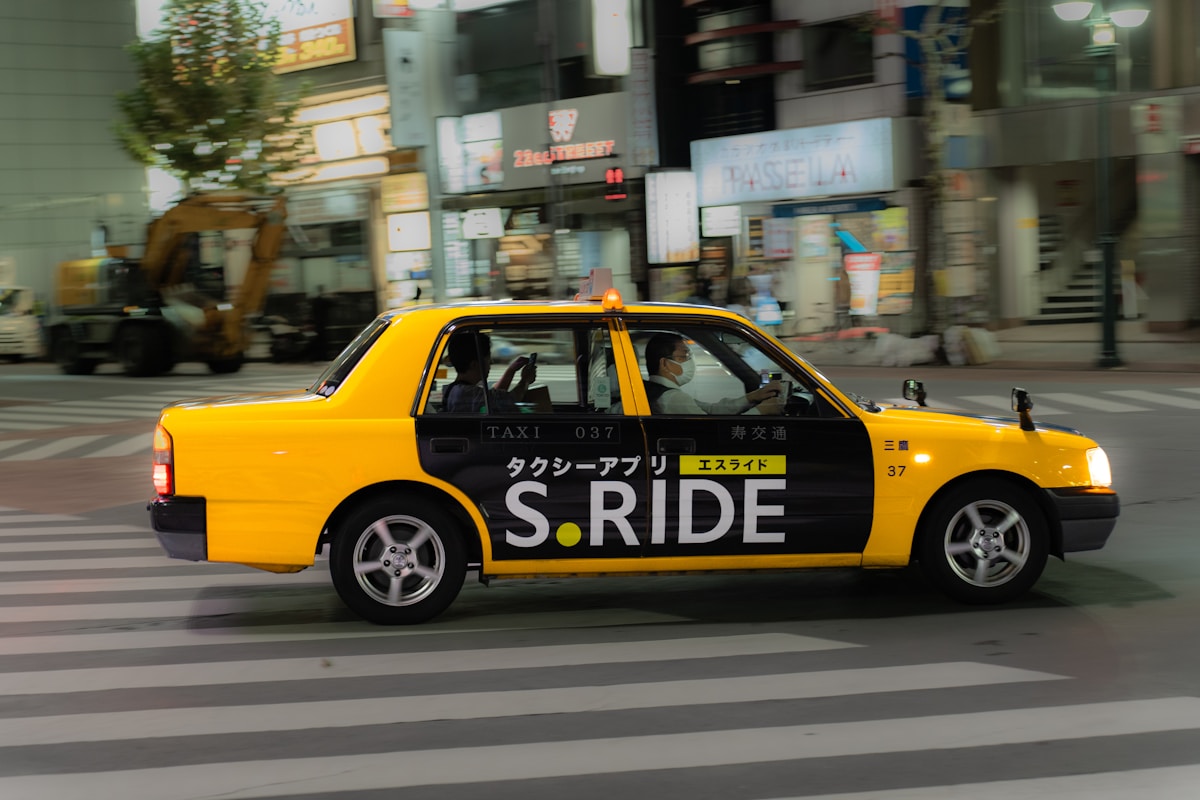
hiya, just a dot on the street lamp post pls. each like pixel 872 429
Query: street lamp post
pixel 1104 49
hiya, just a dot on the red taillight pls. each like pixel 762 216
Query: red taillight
pixel 164 463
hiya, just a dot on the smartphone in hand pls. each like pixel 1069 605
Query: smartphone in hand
pixel 533 359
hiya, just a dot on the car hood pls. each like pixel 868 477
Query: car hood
pixel 932 412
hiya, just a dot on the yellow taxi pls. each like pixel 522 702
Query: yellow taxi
pixel 610 439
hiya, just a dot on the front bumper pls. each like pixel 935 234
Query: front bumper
pixel 1087 517
pixel 180 523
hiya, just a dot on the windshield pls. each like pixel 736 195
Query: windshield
pixel 12 301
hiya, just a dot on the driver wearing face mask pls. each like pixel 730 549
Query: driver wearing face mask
pixel 670 365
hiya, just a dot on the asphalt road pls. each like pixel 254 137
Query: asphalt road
pixel 125 674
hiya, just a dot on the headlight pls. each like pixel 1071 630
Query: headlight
pixel 1098 470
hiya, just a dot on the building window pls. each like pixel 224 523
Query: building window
pixel 838 54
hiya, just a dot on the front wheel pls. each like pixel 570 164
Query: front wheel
pixel 398 563
pixel 64 351
pixel 984 542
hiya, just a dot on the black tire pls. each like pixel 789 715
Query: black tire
pixel 64 350
pixel 379 588
pixel 140 350
pixel 225 366
pixel 984 542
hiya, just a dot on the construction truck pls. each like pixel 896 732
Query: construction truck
pixel 168 306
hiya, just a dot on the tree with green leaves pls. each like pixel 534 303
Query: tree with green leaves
pixel 208 108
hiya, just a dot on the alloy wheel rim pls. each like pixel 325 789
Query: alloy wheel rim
pixel 399 560
pixel 987 543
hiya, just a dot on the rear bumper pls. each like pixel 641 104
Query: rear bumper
pixel 1087 517
pixel 180 523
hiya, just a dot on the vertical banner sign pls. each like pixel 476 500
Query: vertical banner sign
pixel 313 34
pixel 643 118
pixel 777 237
pixel 672 218
pixel 863 269
pixel 404 55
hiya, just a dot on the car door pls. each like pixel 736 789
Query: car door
pixel 726 483
pixel 562 477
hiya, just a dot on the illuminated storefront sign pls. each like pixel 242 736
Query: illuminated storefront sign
pixel 721 221
pixel 313 34
pixel 349 140
pixel 561 124
pixel 844 158
pixel 575 142
pixel 408 191
pixel 672 227
pixel 408 231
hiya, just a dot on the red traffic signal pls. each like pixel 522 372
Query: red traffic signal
pixel 614 179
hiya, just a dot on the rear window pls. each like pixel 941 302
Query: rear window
pixel 344 364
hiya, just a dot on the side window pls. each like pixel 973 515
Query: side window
pixel 720 370
pixel 523 369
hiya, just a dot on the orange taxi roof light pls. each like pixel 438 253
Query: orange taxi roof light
pixel 612 300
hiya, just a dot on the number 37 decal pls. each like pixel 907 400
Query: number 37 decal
pixel 895 472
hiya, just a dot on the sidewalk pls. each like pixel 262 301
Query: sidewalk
pixel 1055 347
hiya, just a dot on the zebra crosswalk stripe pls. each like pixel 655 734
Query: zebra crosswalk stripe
pixel 58 530
pixel 172 583
pixel 52 447
pixel 42 414
pixel 1087 401
pixel 81 408
pixel 1161 398
pixel 344 713
pixel 324 632
pixel 292 777
pixel 108 544
pixel 268 670
pixel 1161 782
pixel 131 562
pixel 12 425
pixel 10 516
pixel 128 447
pixel 1005 404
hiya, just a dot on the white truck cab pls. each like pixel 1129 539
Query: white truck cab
pixel 20 329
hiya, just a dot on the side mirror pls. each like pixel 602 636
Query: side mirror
pixel 1022 403
pixel 914 390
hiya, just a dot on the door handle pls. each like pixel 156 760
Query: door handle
pixel 669 447
pixel 448 445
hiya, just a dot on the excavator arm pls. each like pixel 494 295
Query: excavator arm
pixel 216 212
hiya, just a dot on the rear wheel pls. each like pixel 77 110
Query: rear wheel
pixel 225 366
pixel 398 561
pixel 984 542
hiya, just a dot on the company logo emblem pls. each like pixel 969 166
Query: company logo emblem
pixel 562 124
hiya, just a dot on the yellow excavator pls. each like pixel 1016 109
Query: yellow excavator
pixel 150 313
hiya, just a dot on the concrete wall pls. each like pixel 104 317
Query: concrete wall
pixel 61 169
pixel 796 108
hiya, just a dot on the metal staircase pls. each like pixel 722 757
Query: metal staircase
pixel 1072 288
pixel 1081 300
